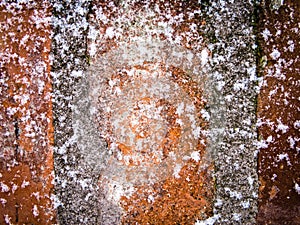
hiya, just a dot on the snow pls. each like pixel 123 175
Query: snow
pixel 282 127
pixel 250 181
pixel 291 46
pixel 7 219
pixel 275 54
pixel 205 115
pixel 218 202
pixel 177 169
pixel 110 32
pixel 209 221
pixel 150 198
pixel 297 124
pixel 233 193
pixel 266 34
pixel 4 187
pixel 292 142
pixel 14 188
pixel 115 32
pixel 297 188
pixel 195 156
pixel 35 211
pixel 240 85
pixel 286 157
pixel 3 201
pixel 204 56
pixel 25 184
pixel 245 204
pixel 77 73
pixel 236 216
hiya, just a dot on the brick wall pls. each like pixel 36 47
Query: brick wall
pixel 26 130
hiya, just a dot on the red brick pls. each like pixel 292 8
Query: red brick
pixel 26 132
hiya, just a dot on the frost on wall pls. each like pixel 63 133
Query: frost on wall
pixel 146 87
pixel 26 162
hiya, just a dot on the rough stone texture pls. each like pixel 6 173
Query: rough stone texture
pixel 233 69
pixel 278 112
pixel 26 131
pixel 75 177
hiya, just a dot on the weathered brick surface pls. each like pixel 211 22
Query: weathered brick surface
pixel 279 116
pixel 146 86
pixel 26 131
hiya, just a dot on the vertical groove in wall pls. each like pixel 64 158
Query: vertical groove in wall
pixel 233 71
pixel 75 181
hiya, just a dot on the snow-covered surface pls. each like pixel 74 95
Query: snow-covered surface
pixel 231 110
pixel 278 112
pixel 222 59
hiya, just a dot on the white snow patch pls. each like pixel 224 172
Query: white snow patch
pixel 291 141
pixel 250 181
pixel 204 56
pixel 297 124
pixel 14 188
pixel 291 46
pixel 87 196
pixel 117 190
pixel 209 221
pixel 286 157
pixel 35 211
pixel 274 177
pixel 278 33
pixel 83 183
pixel 93 49
pixel 110 32
pixel 7 219
pixel 177 169
pixel 77 73
pixel 195 156
pixel 36 195
pixel 150 198
pixel 218 203
pixel 205 115
pixel 56 202
pixel 282 127
pixel 220 85
pixel 252 72
pixel 236 216
pixel 266 34
pixel 24 184
pixel 233 194
pixel 180 109
pixel 196 132
pixel 270 139
pixel 261 144
pixel 3 201
pixel 245 204
pixel 275 54
pixel 297 188
pixel 190 108
pixel 4 187
pixel 179 121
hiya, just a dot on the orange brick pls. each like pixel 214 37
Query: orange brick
pixel 26 132
pixel 148 135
